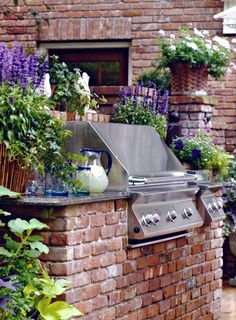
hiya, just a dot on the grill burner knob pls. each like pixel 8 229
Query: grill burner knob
pixel 156 218
pixel 188 213
pixel 213 207
pixel 171 215
pixel 147 220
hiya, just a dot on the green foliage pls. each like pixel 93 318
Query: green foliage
pixel 200 152
pixel 131 114
pixel 67 94
pixel 30 133
pixel 196 48
pixel 26 290
pixel 4 192
pixel 160 78
pixel 9 8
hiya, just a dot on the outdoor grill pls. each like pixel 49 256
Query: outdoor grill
pixel 163 196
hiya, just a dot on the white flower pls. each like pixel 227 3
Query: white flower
pixel 161 32
pixel 229 71
pixel 172 36
pixel 192 45
pixel 222 42
pixel 208 46
pixel 82 84
pixel 205 33
pixel 172 47
pixel 198 33
pixel 233 66
pixel 47 87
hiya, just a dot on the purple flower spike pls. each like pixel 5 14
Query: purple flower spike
pixel 164 105
pixel 157 101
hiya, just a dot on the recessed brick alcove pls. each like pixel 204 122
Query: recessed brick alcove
pixel 176 279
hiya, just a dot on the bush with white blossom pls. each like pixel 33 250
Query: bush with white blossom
pixel 196 48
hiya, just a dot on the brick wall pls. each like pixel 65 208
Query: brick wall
pixel 138 22
pixel 177 279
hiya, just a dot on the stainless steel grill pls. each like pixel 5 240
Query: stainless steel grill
pixel 162 204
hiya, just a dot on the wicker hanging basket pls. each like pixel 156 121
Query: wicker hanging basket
pixel 187 80
pixel 12 175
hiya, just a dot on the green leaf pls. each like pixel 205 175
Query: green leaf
pixel 56 310
pixel 11 244
pixel 5 252
pixel 35 238
pixel 18 226
pixel 5 213
pixel 39 246
pixel 4 192
pixel 37 225
pixel 33 253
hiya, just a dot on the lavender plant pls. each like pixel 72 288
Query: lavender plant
pixel 145 106
pixel 18 68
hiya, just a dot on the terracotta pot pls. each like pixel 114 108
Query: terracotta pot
pixel 187 80
pixel 70 116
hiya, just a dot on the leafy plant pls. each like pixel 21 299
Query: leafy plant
pixel 28 131
pixel 26 290
pixel 161 79
pixel 145 108
pixel 200 152
pixel 195 47
pixel 71 91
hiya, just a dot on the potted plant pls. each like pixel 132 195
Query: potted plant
pixel 199 153
pixel 143 106
pixel 28 133
pixel 70 89
pixel 191 57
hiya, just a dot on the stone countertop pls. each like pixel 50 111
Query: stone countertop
pixel 64 201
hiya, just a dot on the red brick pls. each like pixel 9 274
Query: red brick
pixel 91 234
pixel 97 220
pixel 108 231
pixel 122 309
pixel 85 306
pixel 108 285
pixel 91 291
pixel 99 302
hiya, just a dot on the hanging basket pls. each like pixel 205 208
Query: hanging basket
pixel 12 175
pixel 187 80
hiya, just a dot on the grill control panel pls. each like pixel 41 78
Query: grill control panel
pixel 211 208
pixel 209 205
pixel 153 215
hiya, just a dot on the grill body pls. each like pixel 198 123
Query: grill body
pixel 163 196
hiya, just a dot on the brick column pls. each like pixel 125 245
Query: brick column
pixel 195 112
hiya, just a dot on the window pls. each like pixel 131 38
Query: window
pixel 105 66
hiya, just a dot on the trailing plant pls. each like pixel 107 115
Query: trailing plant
pixel 200 152
pixel 71 91
pixel 229 197
pixel 145 107
pixel 26 290
pixel 12 9
pixel 196 48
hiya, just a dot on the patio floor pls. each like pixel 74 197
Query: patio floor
pixel 228 310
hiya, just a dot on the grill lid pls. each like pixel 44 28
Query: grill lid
pixel 137 151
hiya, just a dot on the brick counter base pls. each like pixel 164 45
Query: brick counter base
pixel 177 279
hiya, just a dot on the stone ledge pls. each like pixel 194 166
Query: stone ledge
pixel 64 201
pixel 207 100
